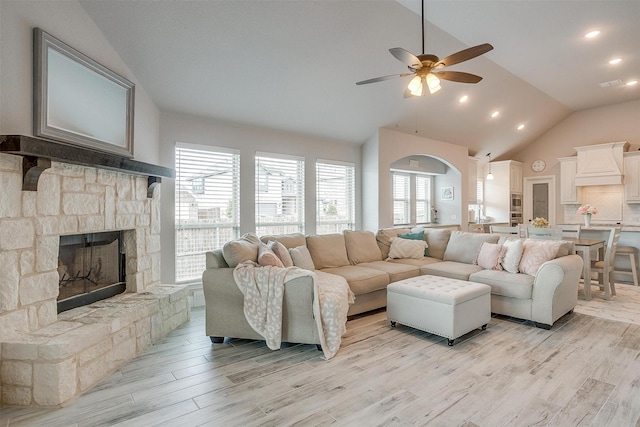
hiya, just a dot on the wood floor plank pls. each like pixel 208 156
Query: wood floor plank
pixel 584 371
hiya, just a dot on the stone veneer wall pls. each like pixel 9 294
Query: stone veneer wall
pixel 73 199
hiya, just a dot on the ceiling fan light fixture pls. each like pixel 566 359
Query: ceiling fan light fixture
pixel 433 83
pixel 416 87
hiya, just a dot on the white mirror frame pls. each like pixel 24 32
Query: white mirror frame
pixel 79 101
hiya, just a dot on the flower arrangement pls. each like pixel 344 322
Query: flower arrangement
pixel 587 210
pixel 540 222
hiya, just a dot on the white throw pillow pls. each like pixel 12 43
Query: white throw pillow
pixel 536 252
pixel 406 248
pixel 302 258
pixel 512 255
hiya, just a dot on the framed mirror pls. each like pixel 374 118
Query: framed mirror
pixel 79 101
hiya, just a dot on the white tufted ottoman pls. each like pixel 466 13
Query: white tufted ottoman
pixel 439 305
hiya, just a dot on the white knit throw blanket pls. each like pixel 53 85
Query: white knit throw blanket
pixel 263 289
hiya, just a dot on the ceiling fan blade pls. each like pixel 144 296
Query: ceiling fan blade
pixel 383 78
pixel 458 76
pixel 406 57
pixel 464 55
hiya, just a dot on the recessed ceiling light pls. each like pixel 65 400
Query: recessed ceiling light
pixel 615 61
pixel 464 98
pixel 521 126
pixel 592 34
pixel 495 114
pixel 632 83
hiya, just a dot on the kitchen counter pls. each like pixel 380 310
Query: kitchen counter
pixel 607 226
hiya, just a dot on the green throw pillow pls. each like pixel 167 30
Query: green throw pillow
pixel 415 236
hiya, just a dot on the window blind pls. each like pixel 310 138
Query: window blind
pixel 335 197
pixel 401 198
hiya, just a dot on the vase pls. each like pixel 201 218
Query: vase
pixel 587 220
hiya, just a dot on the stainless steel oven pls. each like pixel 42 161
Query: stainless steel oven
pixel 516 202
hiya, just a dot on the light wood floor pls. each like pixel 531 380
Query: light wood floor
pixel 585 371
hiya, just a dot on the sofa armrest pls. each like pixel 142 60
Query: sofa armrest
pixel 555 289
pixel 224 305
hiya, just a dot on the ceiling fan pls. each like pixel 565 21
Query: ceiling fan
pixel 426 68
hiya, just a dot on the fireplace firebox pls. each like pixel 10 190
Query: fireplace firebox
pixel 91 267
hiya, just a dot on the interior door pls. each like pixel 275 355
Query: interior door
pixel 539 198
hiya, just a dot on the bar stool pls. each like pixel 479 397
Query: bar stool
pixel 629 251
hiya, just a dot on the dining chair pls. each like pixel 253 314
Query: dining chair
pixel 604 267
pixel 543 233
pixel 497 229
pixel 569 230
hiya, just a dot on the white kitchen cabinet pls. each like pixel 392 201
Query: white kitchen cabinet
pixel 497 192
pixel 569 193
pixel 632 177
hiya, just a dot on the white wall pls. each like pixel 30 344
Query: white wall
pixel 387 147
pixel 613 123
pixel 197 130
pixel 67 21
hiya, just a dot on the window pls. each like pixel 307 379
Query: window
pixel 423 199
pixel 401 198
pixel 335 197
pixel 279 194
pixel 207 200
pixel 411 198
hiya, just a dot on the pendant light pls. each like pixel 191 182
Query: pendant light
pixel 489 175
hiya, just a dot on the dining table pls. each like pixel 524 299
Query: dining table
pixel 586 248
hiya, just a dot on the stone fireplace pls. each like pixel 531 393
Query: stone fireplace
pixel 46 358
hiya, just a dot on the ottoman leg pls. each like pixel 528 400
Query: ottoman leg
pixel 484 327
pixel 450 342
pixel 393 323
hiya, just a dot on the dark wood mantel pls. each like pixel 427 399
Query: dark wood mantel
pixel 37 154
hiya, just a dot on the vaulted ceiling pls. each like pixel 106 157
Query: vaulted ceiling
pixel 292 65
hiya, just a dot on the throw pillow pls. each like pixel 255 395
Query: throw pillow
pixel 243 249
pixel 361 246
pixel 513 254
pixel 281 252
pixel 302 258
pixel 267 257
pixel 383 237
pixel 536 252
pixel 418 235
pixel 406 248
pixel 490 256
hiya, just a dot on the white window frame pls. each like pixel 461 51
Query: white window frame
pixel 413 199
pixel 340 196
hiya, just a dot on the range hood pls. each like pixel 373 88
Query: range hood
pixel 601 164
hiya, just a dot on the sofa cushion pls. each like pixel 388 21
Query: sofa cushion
pixel 361 246
pixel 536 252
pixel 463 246
pixel 490 256
pixel 361 280
pixel 288 240
pixel 416 262
pixel 383 237
pixel 407 248
pixel 437 239
pixel 394 270
pixel 302 258
pixel 505 284
pixel 328 250
pixel 267 257
pixel 451 269
pixel 281 252
pixel 512 255
pixel 242 249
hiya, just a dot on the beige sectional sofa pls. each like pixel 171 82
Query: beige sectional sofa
pixel 361 257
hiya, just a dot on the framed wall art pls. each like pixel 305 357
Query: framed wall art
pixel 446 193
pixel 79 101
